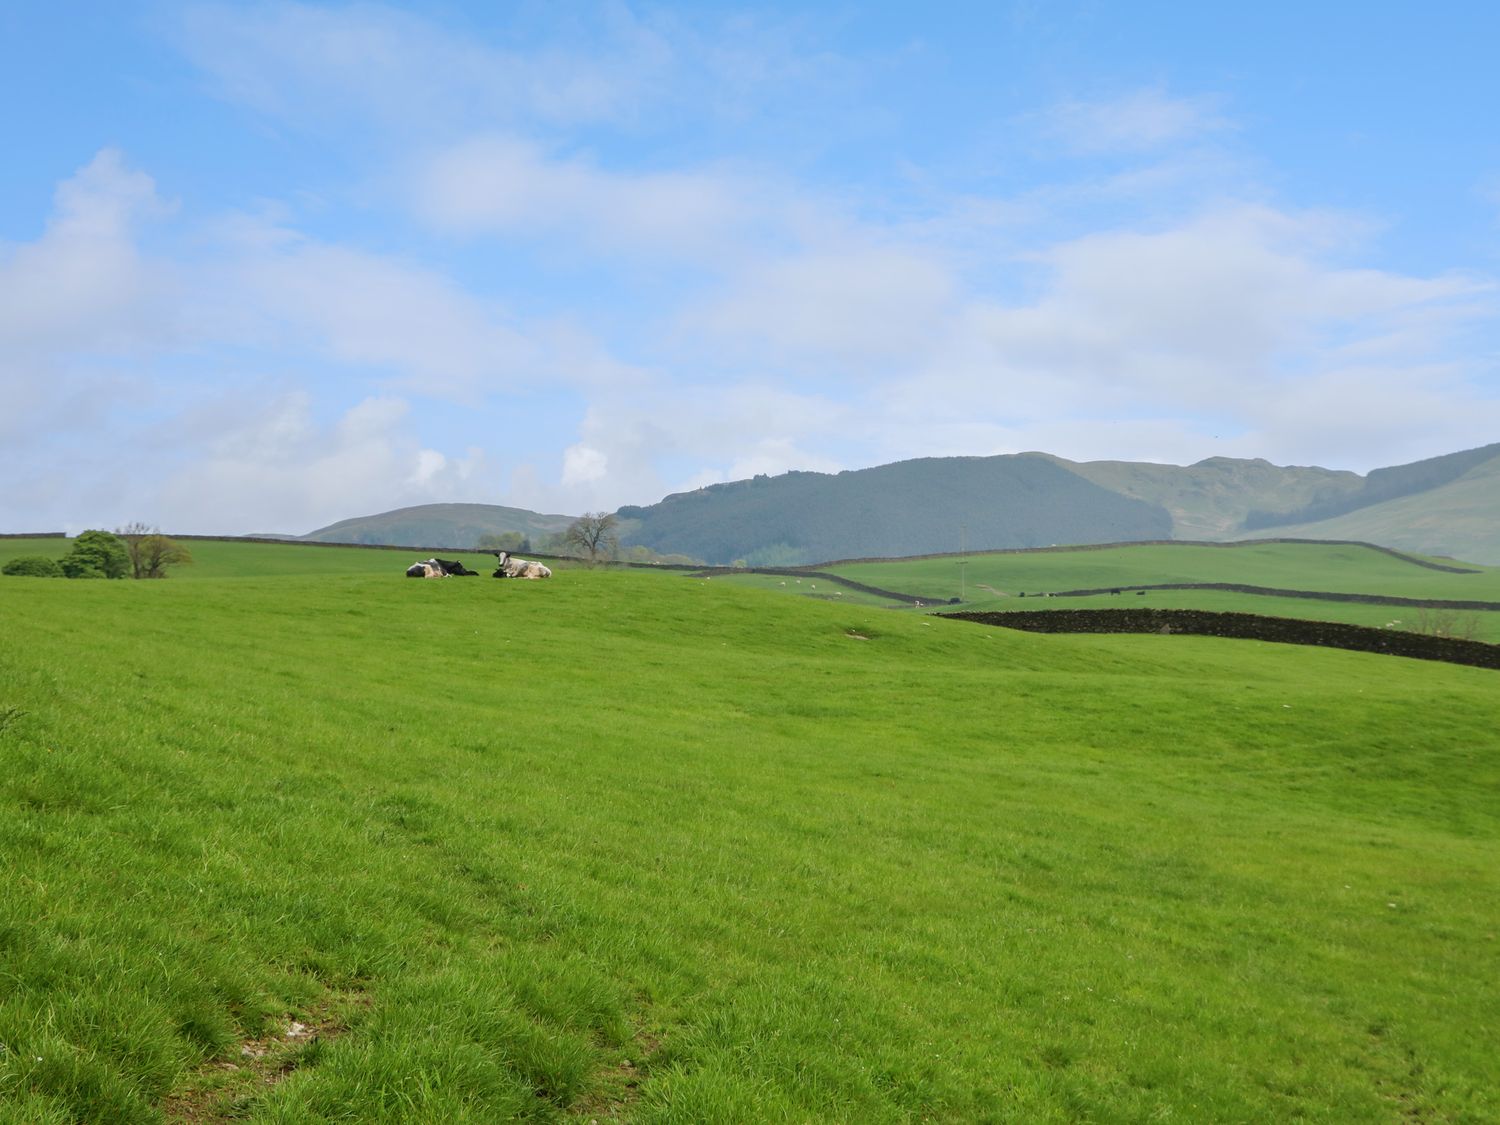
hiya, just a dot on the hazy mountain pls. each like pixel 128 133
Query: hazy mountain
pixel 1212 499
pixel 439 525
pixel 1460 519
pixel 911 507
pixel 1443 505
pixel 1380 486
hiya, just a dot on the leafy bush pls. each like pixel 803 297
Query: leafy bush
pixel 151 552
pixel 33 566
pixel 96 554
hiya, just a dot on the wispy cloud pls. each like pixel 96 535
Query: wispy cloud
pixel 508 186
pixel 1138 121
pixel 309 65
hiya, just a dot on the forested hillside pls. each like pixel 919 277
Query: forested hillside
pixel 911 507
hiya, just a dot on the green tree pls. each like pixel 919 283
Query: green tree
pixel 593 534
pixel 505 541
pixel 33 566
pixel 151 552
pixel 96 554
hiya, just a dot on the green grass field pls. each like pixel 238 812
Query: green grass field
pixel 218 558
pixel 303 840
pixel 992 582
pixel 1289 566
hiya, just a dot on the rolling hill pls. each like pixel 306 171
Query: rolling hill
pixel 1212 498
pixel 1460 519
pixel 910 507
pixel 1380 486
pixel 1446 505
pixel 439 525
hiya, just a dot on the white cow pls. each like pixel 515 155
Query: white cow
pixel 512 567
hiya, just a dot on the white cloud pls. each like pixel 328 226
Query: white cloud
pixel 310 64
pixel 583 464
pixel 406 320
pixel 504 185
pixel 1137 122
pixel 83 285
pixel 278 469
pixel 1236 332
pixel 864 306
pixel 80 307
pixel 634 449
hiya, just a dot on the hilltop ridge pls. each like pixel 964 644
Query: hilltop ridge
pixel 1447 505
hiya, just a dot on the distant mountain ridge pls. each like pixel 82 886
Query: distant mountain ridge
pixel 1380 486
pixel 1460 520
pixel 439 525
pixel 1213 498
pixel 1446 505
pixel 910 507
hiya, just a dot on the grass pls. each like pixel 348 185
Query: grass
pixel 628 845
pixel 995 581
pixel 1290 566
pixel 219 558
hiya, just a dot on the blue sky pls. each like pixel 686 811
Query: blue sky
pixel 267 266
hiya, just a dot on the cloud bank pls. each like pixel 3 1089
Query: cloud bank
pixel 532 290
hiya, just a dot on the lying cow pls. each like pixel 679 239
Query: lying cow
pixel 438 568
pixel 510 567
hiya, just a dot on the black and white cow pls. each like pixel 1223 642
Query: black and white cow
pixel 508 566
pixel 439 568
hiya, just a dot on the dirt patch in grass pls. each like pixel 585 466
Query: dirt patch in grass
pixel 224 1088
pixel 618 1087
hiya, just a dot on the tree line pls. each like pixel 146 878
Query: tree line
pixel 133 551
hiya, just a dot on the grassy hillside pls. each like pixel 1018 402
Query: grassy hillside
pixel 1384 485
pixel 905 508
pixel 1210 499
pixel 352 847
pixel 996 581
pixel 1342 567
pixel 1460 519
pixel 440 525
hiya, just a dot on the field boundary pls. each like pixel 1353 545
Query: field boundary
pixel 800 572
pixel 1273 592
pixel 1402 555
pixel 1244 626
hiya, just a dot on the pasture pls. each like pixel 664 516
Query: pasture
pixel 300 840
pixel 1342 568
pixel 996 581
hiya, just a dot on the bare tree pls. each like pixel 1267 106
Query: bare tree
pixel 593 534
pixel 151 552
pixel 1450 623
